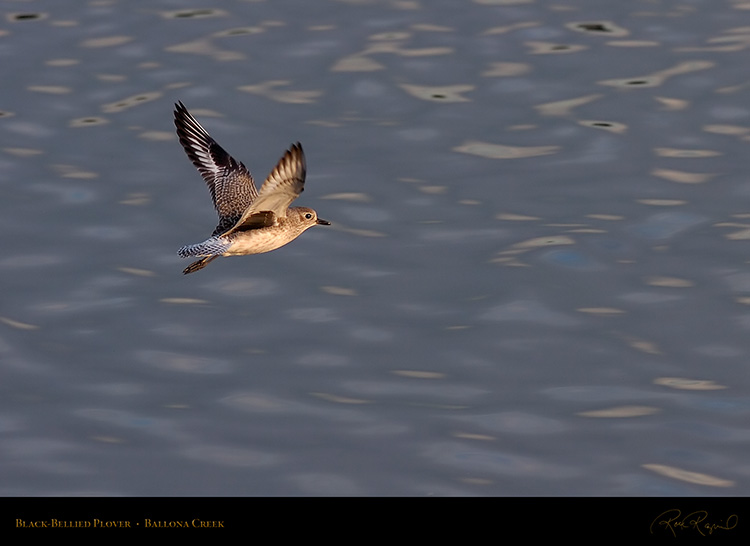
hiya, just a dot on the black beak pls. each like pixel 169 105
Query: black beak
pixel 322 222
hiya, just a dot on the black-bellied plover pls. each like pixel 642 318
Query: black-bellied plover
pixel 250 221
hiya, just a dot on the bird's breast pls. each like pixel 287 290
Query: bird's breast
pixel 257 241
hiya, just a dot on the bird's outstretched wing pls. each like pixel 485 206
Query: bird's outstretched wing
pixel 230 183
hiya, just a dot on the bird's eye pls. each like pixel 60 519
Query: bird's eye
pixel 308 215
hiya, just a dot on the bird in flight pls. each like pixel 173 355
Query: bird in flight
pixel 250 221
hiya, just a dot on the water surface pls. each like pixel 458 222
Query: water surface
pixel 536 281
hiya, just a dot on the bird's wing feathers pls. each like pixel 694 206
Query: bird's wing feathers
pixel 283 185
pixel 230 183
pixel 255 220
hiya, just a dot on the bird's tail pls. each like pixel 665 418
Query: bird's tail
pixel 214 246
pixel 208 250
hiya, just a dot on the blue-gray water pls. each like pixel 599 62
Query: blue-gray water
pixel 537 280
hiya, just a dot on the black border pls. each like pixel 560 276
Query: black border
pixel 672 519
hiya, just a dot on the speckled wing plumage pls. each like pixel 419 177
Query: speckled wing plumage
pixel 283 185
pixel 230 183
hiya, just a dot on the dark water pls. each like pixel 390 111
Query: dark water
pixel 536 282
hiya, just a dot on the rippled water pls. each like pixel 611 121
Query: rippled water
pixel 536 281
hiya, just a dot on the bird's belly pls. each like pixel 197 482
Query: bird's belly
pixel 257 241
